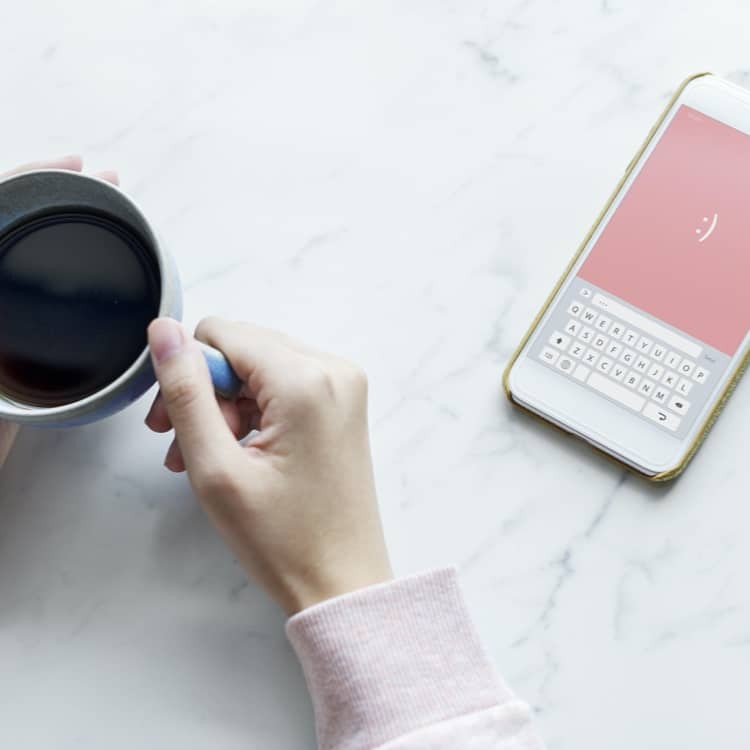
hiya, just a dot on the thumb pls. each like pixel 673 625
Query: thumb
pixel 204 438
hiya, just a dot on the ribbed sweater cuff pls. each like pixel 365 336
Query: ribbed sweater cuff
pixel 391 658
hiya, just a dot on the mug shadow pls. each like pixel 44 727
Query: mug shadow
pixel 79 513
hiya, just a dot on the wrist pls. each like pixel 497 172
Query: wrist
pixel 312 590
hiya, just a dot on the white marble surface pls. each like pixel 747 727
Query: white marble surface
pixel 401 182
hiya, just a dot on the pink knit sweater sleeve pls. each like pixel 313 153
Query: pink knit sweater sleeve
pixel 399 666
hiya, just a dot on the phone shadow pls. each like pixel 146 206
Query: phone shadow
pixel 574 449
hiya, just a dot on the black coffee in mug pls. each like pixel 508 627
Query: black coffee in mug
pixel 77 292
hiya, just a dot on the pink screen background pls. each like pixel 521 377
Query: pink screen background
pixel 649 254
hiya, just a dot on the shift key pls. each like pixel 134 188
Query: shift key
pixel 615 391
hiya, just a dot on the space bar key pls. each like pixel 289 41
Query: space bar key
pixel 617 392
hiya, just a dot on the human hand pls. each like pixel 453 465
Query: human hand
pixel 297 502
pixel 9 430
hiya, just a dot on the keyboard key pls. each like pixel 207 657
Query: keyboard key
pixel 603 323
pixel 656 371
pixel 686 368
pixel 565 364
pixel 701 375
pixel 572 327
pixel 586 335
pixel 644 345
pixel 646 325
pixel 673 360
pixel 589 316
pixel 642 365
pixel 632 366
pixel 628 357
pixel 661 416
pixel 615 391
pixel 549 355
pixel 591 357
pixel 616 330
pixel 646 387
pixel 660 394
pixel 581 373
pixel 575 309
pixel 600 342
pixel 559 340
pixel 577 350
pixel 617 372
pixel 684 387
pixel 669 379
pixel 630 338
pixel 604 364
pixel 679 405
pixel 632 380
pixel 614 349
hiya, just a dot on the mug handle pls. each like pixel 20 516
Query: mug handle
pixel 226 381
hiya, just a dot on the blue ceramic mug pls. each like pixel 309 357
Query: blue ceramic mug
pixel 29 196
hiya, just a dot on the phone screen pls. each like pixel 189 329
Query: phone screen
pixel 661 302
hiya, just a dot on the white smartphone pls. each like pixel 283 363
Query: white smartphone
pixel 647 331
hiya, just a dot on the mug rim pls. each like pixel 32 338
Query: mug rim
pixel 21 412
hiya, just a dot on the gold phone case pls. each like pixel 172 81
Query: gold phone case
pixel 731 383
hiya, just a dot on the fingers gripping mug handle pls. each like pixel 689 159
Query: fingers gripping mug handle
pixel 226 381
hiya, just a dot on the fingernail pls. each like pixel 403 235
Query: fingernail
pixel 70 157
pixel 173 459
pixel 165 339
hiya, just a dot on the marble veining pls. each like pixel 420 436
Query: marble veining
pixel 402 183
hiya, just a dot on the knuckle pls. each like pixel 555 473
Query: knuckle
pixel 311 386
pixel 181 393
pixel 318 381
pixel 356 378
pixel 207 326
pixel 354 389
pixel 341 382
pixel 215 481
